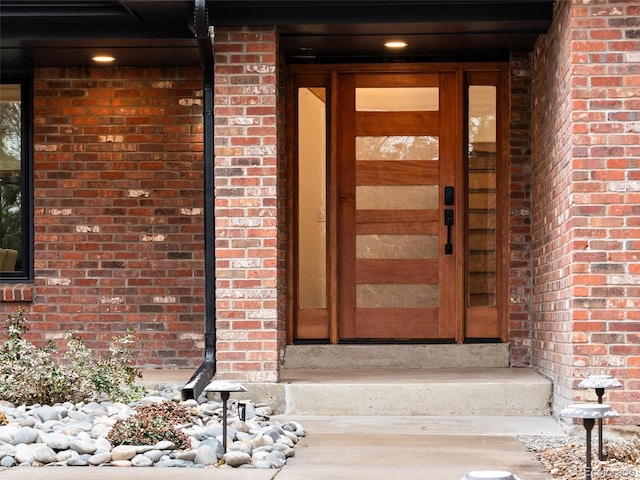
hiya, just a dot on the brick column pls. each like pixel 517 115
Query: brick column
pixel 249 337
pixel 520 212
pixel 587 198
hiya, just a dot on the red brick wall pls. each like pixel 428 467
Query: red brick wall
pixel 118 210
pixel 552 235
pixel 251 336
pixel 587 201
pixel 520 212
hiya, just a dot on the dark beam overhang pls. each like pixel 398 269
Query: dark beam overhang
pixel 156 32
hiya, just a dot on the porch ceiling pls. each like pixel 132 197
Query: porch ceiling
pixel 156 32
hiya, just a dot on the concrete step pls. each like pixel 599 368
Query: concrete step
pixel 489 355
pixel 473 391
pixel 390 390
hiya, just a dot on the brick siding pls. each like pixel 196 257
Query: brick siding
pixel 587 201
pixel 520 212
pixel 251 335
pixel 118 211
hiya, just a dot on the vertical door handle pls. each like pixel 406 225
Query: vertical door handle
pixel 448 221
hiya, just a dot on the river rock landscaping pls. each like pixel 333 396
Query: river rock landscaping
pixel 83 434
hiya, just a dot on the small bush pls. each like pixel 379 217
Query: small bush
pixel 3 419
pixel 151 424
pixel 29 374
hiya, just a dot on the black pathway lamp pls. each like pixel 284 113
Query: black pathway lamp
pixel 224 388
pixel 599 383
pixel 588 412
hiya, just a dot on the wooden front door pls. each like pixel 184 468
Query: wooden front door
pixel 397 203
pixel 397 248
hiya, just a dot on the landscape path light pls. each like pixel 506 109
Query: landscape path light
pixel 224 388
pixel 588 412
pixel 599 383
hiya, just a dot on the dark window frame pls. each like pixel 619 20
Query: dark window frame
pixel 26 272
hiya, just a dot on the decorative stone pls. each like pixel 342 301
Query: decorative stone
pixel 173 463
pixel 47 413
pixel 123 452
pixel 154 455
pixel 264 411
pixel 165 445
pixel 276 458
pixel 24 454
pixel 79 461
pixel 235 459
pixel 262 464
pixel 44 454
pixel 25 435
pixel 7 432
pixel 206 455
pixel 189 455
pixel 66 455
pixel 141 461
pixel 57 441
pixel 83 447
pixel 100 430
pixel 100 458
pixel 262 440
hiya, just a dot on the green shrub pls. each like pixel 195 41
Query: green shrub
pixel 151 424
pixel 29 374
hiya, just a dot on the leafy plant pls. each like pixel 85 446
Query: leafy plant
pixel 29 374
pixel 151 424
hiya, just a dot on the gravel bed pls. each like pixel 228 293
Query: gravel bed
pixel 564 457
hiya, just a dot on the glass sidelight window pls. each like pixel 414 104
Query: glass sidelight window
pixel 481 181
pixel 312 201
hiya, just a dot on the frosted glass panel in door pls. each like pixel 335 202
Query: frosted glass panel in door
pixel 396 147
pixel 411 197
pixel 397 246
pixel 383 295
pixel 397 99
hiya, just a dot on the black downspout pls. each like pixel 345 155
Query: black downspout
pixel 207 370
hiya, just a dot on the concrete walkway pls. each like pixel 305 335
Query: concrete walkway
pixel 371 448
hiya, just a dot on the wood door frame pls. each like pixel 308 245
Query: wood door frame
pixel 329 74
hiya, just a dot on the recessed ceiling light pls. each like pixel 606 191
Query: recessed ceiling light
pixel 395 44
pixel 103 58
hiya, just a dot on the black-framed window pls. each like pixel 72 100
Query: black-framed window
pixel 16 205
